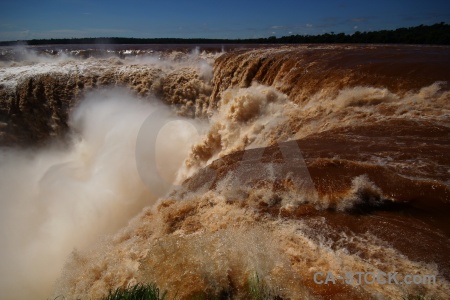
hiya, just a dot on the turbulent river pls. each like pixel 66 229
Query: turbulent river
pixel 199 167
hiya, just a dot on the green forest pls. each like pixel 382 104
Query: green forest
pixel 437 34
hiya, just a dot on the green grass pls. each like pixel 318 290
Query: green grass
pixel 137 292
pixel 418 297
pixel 257 290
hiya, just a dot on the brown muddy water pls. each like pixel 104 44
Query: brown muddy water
pixel 196 167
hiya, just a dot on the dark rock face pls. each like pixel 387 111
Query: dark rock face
pixel 36 107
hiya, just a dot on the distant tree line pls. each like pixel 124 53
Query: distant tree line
pixel 438 34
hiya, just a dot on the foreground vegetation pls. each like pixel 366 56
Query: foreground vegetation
pixel 137 292
pixel 256 290
pixel 438 34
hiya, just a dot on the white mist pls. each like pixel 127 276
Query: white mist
pixel 56 199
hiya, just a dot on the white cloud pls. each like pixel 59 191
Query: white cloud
pixel 60 33
pixel 14 35
pixel 6 25
pixel 309 25
pixel 355 27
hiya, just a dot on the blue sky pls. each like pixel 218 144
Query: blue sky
pixel 27 19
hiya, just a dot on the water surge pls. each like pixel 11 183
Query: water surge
pixel 196 170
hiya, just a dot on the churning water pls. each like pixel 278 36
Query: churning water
pixel 197 168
